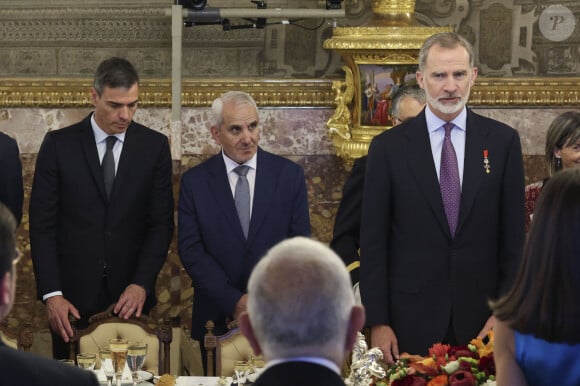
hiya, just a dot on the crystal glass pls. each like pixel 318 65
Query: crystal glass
pixel 241 371
pixel 119 349
pixel 136 354
pixel 86 360
pixel 107 364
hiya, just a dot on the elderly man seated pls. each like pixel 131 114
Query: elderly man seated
pixel 301 314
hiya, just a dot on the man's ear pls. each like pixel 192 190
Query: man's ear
pixel 216 135
pixel 355 324
pixel 248 332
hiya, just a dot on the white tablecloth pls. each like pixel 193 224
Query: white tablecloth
pixel 198 381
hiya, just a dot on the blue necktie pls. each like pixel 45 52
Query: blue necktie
pixel 242 197
pixel 108 165
pixel 449 180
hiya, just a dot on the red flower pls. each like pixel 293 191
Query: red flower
pixel 410 380
pixel 464 366
pixel 439 352
pixel 461 351
pixel 462 378
pixel 487 365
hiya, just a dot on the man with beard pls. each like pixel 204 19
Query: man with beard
pixel 443 213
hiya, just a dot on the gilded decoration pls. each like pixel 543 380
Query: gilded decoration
pixel 487 92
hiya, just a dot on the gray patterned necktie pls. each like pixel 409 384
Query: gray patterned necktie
pixel 449 180
pixel 108 165
pixel 242 197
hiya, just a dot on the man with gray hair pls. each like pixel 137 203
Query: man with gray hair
pixel 301 314
pixel 232 209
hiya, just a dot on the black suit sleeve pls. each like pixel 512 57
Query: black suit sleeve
pixel 11 187
pixel 345 240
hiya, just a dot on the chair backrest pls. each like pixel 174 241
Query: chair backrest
pixel 21 340
pixel 106 325
pixel 225 349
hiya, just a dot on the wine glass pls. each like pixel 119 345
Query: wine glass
pixel 107 364
pixel 136 354
pixel 118 349
pixel 241 370
pixel 67 361
pixel 86 360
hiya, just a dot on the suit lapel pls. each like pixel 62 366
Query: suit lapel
pixel 264 188
pixel 89 147
pixel 473 170
pixel 219 188
pixel 420 161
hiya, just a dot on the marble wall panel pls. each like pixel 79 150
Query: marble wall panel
pixel 299 134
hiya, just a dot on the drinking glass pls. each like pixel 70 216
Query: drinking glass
pixel 67 361
pixel 241 370
pixel 107 364
pixel 136 354
pixel 118 349
pixel 86 360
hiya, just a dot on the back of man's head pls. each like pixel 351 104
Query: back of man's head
pixel 300 302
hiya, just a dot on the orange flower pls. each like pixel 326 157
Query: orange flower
pixel 484 349
pixel 440 380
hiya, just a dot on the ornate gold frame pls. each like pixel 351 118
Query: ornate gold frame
pixel 488 92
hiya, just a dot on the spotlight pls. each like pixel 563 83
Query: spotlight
pixel 333 4
pixel 197 5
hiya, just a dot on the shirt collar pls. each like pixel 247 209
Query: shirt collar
pixel 100 135
pixel 316 360
pixel 435 123
pixel 231 164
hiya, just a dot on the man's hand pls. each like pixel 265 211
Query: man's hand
pixel 58 309
pixel 384 337
pixel 131 301
pixel 487 327
pixel 241 306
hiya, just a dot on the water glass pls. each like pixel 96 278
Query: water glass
pixel 107 364
pixel 86 360
pixel 136 354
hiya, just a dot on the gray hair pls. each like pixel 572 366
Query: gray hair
pixel 412 91
pixel 235 97
pixel 445 40
pixel 300 299
pixel 115 73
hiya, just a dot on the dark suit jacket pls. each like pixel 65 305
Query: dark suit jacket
pixel 20 368
pixel 414 275
pixel 345 235
pixel 75 229
pixel 212 246
pixel 298 374
pixel 11 188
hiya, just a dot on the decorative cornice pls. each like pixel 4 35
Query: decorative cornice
pixel 492 92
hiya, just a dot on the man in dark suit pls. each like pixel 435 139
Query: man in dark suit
pixel 431 260
pixel 217 247
pixel 11 187
pixel 17 367
pixel 101 209
pixel 301 314
pixel 408 101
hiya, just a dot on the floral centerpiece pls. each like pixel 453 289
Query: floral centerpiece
pixel 446 365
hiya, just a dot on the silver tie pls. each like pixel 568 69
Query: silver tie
pixel 242 197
